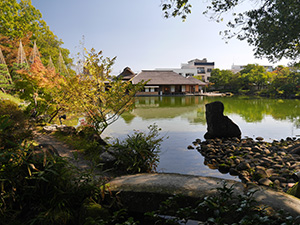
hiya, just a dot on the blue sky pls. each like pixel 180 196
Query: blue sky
pixel 136 32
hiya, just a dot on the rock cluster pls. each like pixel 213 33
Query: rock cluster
pixel 62 128
pixel 271 164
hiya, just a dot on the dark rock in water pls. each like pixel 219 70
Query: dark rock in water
pixel 218 125
pixel 190 147
pixel 259 138
pixel 224 169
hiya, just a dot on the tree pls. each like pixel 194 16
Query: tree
pixel 286 83
pixel 272 27
pixel 23 21
pixel 5 78
pixel 254 75
pixel 94 93
pixel 222 78
pixel 41 87
pixel 10 49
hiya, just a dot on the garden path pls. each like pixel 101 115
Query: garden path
pixel 71 154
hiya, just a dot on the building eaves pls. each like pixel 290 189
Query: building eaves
pixel 162 77
pixel 199 82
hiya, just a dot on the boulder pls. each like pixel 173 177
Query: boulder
pixel 107 160
pixel 51 128
pixel 96 137
pixel 218 125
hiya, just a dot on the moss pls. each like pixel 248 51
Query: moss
pixel 295 190
pixel 91 209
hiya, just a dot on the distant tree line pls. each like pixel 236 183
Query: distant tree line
pixel 283 82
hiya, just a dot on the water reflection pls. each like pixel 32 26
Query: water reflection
pixel 183 120
pixel 249 109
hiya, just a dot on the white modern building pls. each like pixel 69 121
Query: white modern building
pixel 195 67
pixel 238 68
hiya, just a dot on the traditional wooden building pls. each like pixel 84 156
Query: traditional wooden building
pixel 167 82
pixel 126 75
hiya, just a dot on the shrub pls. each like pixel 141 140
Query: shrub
pixel 39 188
pixel 139 151
pixel 14 124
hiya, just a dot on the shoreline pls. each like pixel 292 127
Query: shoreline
pixel 270 164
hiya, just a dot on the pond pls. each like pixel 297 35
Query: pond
pixel 182 119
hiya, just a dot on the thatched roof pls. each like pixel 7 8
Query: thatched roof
pixel 126 74
pixel 163 77
pixel 199 82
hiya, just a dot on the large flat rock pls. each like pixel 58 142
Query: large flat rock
pixel 144 192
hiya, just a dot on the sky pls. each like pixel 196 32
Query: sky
pixel 136 32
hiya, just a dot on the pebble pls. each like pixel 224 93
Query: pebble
pixel 190 147
pixel 265 181
pixel 270 164
pixel 243 166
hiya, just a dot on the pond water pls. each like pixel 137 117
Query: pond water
pixel 182 119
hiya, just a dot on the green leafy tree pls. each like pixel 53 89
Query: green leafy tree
pixel 22 20
pixel 18 19
pixel 254 76
pixel 223 79
pixel 286 83
pixel 176 8
pixel 99 97
pixel 272 27
pixel 216 77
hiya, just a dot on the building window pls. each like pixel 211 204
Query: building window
pixel 200 70
pixel 209 70
pixel 189 75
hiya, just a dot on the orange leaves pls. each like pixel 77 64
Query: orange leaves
pixel 44 77
pixel 38 73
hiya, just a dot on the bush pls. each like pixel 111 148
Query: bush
pixel 13 124
pixel 39 188
pixel 138 152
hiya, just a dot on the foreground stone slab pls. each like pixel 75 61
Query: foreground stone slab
pixel 144 192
